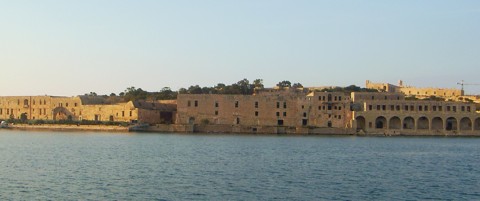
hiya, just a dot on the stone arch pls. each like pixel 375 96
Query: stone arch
pixel 191 120
pixel 422 123
pixel 465 124
pixel 437 123
pixel 477 124
pixel 451 124
pixel 408 123
pixel 360 122
pixel 61 113
pixel 381 122
pixel 395 123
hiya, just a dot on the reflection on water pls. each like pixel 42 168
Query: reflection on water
pixel 98 166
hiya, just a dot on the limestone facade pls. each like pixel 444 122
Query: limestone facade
pixel 288 108
pixel 414 91
pixel 391 113
pixel 81 108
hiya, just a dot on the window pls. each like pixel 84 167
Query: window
pixel 236 104
pixel 468 108
pixel 378 107
pixel 278 114
pixel 123 113
pixel 75 104
pixel 370 107
pixel 340 108
pixel 373 97
pixel 392 107
pixel 463 108
pixel 440 108
pixel 284 114
pixel 319 107
pixel 196 103
pixel 284 104
pixel 216 112
pixel 303 107
pixel 335 98
pixel 398 108
pixel 426 107
pixel 412 108
pixel 1 111
pixel 130 113
pixel 278 104
pixel 256 104
pixel 339 116
pixel 329 107
pixel 384 107
pixel 339 98
pixel 448 108
pixel 256 113
pixel 189 103
pixel 216 103
pixel 406 108
pixel 454 108
pixel 434 108
pixel 304 114
pixel 420 108
pixel 66 104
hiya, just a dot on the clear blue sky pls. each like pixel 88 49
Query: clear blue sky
pixel 61 47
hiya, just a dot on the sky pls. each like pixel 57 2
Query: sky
pixel 68 48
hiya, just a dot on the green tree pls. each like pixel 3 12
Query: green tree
pixel 284 83
pixel 23 117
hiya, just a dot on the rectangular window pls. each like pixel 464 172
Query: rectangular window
pixel 123 113
pixel 284 114
pixel 75 104
pixel 256 104
pixel 392 107
pixel 370 107
pixel 196 103
pixel 8 111
pixel 384 107
pixel 1 111
pixel 448 108
pixel 130 113
pixel 454 108
pixel 278 114
pixel 339 116
pixel 412 108
pixel 468 108
pixel 335 98
pixel 398 107
pixel 340 108
pixel 426 107
pixel 319 107
pixel 236 103
pixel 284 104
pixel 256 113
pixel 66 104
pixel 463 108
pixel 406 108
pixel 216 112
pixel 278 104
pixel 440 108
pixel 420 108
pixel 216 103
pixel 378 107
pixel 339 98
pixel 434 108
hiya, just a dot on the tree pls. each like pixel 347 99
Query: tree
pixel 23 117
pixel 132 94
pixel 297 85
pixel 258 83
pixel 113 94
pixel 284 84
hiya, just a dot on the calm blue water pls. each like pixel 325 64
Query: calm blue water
pixel 115 166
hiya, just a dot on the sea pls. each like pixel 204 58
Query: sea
pixel 46 165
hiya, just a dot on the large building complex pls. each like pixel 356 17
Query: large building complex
pixel 393 110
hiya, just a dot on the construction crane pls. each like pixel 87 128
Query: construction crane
pixel 463 83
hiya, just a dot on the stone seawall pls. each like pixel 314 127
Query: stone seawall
pixel 60 127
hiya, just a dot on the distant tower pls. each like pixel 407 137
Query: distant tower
pixel 400 83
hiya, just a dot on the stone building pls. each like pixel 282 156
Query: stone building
pixel 390 113
pixel 267 111
pixel 414 91
pixel 86 108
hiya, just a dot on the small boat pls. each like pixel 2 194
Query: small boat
pixel 4 124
